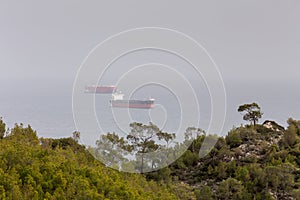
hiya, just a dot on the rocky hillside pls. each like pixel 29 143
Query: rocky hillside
pixel 251 162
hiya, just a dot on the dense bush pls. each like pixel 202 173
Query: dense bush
pixel 251 162
pixel 33 168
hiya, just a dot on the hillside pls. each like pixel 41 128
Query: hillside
pixel 251 162
pixel 42 168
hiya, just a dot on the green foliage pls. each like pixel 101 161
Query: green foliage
pixel 290 136
pixel 233 139
pixel 192 133
pixel 189 159
pixel 183 191
pixel 242 174
pixel 162 175
pixel 296 194
pixel 140 142
pixel 247 164
pixel 220 171
pixel 251 162
pixel 142 139
pixel 2 128
pixel 231 189
pixel 76 135
pixel 111 152
pixel 167 137
pixel 62 169
pixel 295 123
pixel 252 112
pixel 205 193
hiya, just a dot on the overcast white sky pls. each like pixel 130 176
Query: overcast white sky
pixel 247 39
pixel 254 40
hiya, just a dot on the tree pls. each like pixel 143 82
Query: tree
pixel 290 136
pixel 242 174
pixel 165 154
pixel 230 189
pixel 27 171
pixel 295 123
pixel 233 139
pixel 76 136
pixel 205 193
pixel 252 112
pixel 2 128
pixel 191 134
pixel 110 150
pixel 167 137
pixel 141 142
pixel 142 139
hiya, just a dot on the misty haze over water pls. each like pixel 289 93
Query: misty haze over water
pixel 47 105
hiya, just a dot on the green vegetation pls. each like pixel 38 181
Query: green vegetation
pixel 42 168
pixel 141 142
pixel 252 112
pixel 252 162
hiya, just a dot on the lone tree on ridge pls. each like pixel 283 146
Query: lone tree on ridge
pixel 251 112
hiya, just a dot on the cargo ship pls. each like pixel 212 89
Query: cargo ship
pixel 105 89
pixel 118 101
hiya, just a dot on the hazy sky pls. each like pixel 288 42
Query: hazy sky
pixel 247 39
pixel 251 41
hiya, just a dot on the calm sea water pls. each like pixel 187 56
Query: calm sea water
pixel 47 106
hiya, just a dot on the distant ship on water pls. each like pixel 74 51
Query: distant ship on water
pixel 103 89
pixel 118 101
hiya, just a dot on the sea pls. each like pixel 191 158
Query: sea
pixel 47 106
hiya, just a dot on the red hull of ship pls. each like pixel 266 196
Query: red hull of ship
pixel 100 89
